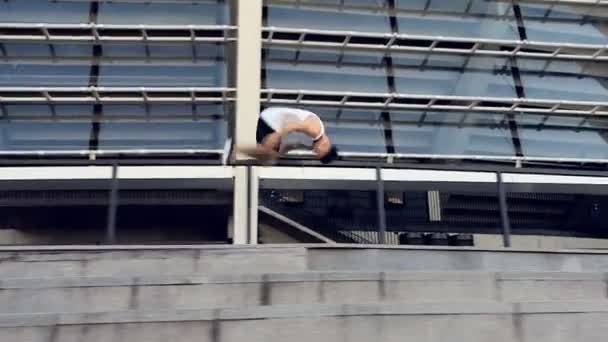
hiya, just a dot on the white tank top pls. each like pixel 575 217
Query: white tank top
pixel 279 117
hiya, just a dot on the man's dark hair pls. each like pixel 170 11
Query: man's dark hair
pixel 330 156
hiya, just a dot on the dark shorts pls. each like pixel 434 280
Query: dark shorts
pixel 262 131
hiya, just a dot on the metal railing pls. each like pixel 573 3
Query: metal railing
pixel 382 176
pixel 393 158
pixel 99 33
pixel 51 95
pixel 345 99
pixel 403 43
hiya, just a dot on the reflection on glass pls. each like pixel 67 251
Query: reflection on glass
pixel 458 18
pixel 563 137
pixel 123 126
pixel 451 75
pixel 202 134
pixel 145 52
pixel 73 12
pixel 451 133
pixel 565 24
pixel 327 19
pixel 44 11
pixel 163 126
pixel 44 135
pixel 325 70
pixel 151 75
pixel 16 74
pixel 199 75
pixel 184 13
pixel 564 80
pixel 49 51
pixel 120 65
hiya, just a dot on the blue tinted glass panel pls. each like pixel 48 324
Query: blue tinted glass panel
pixel 327 19
pixel 317 70
pixel 47 51
pixel 40 135
pixel 563 137
pixel 564 80
pixel 453 75
pixel 124 126
pixel 44 11
pixel 159 75
pixel 202 134
pixel 45 135
pixel 16 74
pixel 45 112
pixel 199 13
pixel 458 18
pixel 163 127
pixel 567 24
pixel 121 65
pixel 451 133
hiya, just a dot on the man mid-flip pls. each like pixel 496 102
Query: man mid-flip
pixel 282 129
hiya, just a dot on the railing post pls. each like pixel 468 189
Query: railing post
pixel 504 211
pixel 381 208
pixel 112 206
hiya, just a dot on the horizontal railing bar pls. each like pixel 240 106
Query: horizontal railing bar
pixel 466 103
pixel 456 157
pixel 111 32
pixel 492 47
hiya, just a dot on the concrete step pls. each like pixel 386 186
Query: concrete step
pixel 425 322
pixel 145 260
pixel 36 262
pixel 94 294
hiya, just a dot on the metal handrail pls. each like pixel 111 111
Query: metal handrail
pixel 344 99
pixel 403 42
pixel 91 32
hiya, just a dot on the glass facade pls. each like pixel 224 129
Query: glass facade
pixel 406 77
pixel 467 78
pixel 124 56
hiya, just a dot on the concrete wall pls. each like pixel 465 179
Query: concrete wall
pixel 540 242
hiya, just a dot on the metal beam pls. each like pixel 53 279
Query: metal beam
pixel 116 94
pixel 380 207
pixel 406 43
pixel 99 33
pixel 385 101
pixel 248 71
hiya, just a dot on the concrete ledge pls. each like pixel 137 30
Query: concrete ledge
pixel 176 260
pixel 301 311
pixel 295 277
pixel 68 248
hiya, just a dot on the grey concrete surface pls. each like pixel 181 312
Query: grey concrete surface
pixel 475 321
pixel 89 261
pixel 447 260
pixel 301 293
pixel 92 262
pixel 81 294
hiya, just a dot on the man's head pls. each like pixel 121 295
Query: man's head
pixel 324 150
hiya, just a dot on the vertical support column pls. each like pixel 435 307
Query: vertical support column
pixel 112 206
pixel 381 208
pixel 254 190
pixel 240 219
pixel 504 211
pixel 247 74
